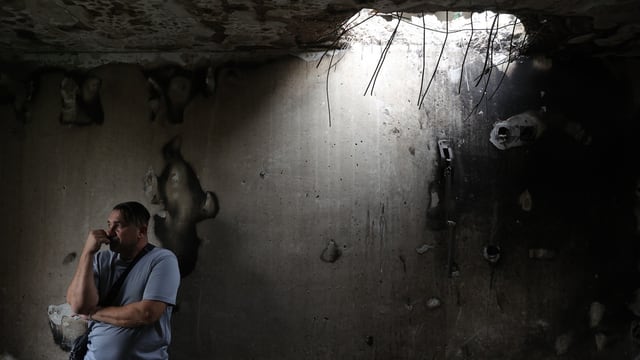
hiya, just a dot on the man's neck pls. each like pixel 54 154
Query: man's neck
pixel 136 251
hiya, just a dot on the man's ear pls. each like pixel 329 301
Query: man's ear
pixel 142 230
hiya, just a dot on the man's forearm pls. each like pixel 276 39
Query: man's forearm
pixel 82 293
pixel 131 315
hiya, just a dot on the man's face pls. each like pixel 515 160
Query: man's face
pixel 124 236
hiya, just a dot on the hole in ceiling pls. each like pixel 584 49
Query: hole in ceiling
pixel 506 31
pixel 497 38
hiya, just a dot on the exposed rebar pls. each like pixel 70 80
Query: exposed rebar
pixel 424 56
pixel 489 48
pixel 464 59
pixel 383 56
pixel 513 32
pixel 344 31
pixel 327 86
pixel 490 69
pixel 438 62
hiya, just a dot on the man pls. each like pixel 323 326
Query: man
pixel 136 324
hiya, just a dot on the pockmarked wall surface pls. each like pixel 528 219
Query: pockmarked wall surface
pixel 331 241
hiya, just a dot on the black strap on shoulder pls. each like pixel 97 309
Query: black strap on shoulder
pixel 115 289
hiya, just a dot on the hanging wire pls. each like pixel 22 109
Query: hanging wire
pixel 327 86
pixel 451 31
pixel 343 25
pixel 519 49
pixel 489 48
pixel 464 59
pixel 486 84
pixel 344 31
pixel 438 62
pixel 486 70
pixel 346 28
pixel 496 65
pixel 376 72
pixel 530 38
pixel 486 109
pixel 508 60
pixel 424 55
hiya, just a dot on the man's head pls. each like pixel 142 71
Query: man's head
pixel 127 228
pixel 133 213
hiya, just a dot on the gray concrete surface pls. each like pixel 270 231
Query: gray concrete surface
pixel 288 183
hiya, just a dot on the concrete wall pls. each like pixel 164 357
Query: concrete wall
pixel 288 183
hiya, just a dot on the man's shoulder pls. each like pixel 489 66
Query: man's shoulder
pixel 163 260
pixel 161 253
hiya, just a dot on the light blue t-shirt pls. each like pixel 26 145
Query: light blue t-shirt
pixel 155 277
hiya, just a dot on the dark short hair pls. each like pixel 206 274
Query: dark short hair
pixel 133 213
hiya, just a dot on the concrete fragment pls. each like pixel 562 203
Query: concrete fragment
pixel 433 303
pixel 331 253
pixel 65 326
pixel 435 212
pixel 424 248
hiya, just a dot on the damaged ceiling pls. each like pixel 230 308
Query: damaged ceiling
pixel 75 32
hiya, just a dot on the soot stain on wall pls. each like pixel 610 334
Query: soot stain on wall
pixel 185 204
pixel 80 97
pixel 172 88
